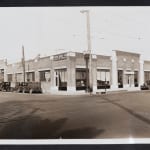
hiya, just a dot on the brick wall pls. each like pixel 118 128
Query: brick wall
pixel 103 61
pixel 125 60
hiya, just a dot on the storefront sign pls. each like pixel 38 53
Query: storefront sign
pixel 60 57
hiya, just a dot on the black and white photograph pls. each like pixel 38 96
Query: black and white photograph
pixel 75 73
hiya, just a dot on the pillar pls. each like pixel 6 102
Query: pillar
pixel 94 73
pixel 5 74
pixel 114 71
pixel 71 73
pixel 37 76
pixel 53 87
pixel 141 72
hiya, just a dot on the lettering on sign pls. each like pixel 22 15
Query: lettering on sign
pixel 60 57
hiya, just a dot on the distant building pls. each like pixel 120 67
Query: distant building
pixel 68 72
pixel 3 66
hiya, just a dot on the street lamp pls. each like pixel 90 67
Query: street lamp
pixel 89 47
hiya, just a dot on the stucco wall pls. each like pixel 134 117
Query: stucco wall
pixel 146 65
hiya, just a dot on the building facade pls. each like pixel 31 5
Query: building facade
pixel 3 67
pixel 69 72
pixel 126 70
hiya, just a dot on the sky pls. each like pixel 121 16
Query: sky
pixel 50 30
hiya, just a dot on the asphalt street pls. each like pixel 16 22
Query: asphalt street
pixel 37 116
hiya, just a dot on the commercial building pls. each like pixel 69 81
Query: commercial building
pixel 3 68
pixel 68 72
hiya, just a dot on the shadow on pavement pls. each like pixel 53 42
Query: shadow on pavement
pixel 130 111
pixel 37 128
pixel 32 127
pixel 81 133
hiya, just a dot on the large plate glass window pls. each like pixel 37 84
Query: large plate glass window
pixel 81 78
pixel 45 75
pixel 103 79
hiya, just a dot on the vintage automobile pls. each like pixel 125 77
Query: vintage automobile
pixel 32 87
pixel 27 87
pixel 5 86
pixel 144 87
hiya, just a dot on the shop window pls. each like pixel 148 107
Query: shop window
pixel 19 77
pixel 1 75
pixel 45 75
pixel 30 76
pixel 81 79
pixel 147 77
pixel 136 84
pixel 9 77
pixel 61 79
pixel 103 79
pixel 120 79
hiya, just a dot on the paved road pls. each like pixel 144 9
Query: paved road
pixel 123 115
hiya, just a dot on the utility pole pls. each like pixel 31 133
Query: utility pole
pixel 89 47
pixel 23 63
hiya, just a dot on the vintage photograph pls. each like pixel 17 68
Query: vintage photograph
pixel 74 72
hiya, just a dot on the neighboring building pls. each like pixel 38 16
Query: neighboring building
pixel 3 65
pixel 146 71
pixel 69 72
pixel 126 70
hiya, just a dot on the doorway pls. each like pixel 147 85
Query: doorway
pixel 61 79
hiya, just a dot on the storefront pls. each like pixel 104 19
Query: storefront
pixel 3 64
pixel 147 72
pixel 69 72
pixel 127 66
pixel 1 75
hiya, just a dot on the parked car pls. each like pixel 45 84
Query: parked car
pixel 33 87
pixel 5 86
pixel 28 87
pixel 21 86
pixel 144 87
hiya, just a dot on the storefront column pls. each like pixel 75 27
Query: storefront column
pixel 114 71
pixel 141 74
pixel 37 77
pixel 94 73
pixel 53 88
pixel 5 74
pixel 71 74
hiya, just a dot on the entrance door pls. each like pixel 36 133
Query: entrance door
pixel 61 79
pixel 129 80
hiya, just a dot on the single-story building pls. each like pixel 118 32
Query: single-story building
pixel 69 71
